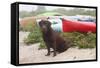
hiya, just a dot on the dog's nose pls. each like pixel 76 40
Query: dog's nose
pixel 43 28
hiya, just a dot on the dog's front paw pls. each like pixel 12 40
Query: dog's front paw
pixel 47 54
pixel 54 55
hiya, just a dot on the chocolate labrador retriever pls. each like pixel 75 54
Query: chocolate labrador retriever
pixel 52 38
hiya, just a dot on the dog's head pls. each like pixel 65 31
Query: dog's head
pixel 44 25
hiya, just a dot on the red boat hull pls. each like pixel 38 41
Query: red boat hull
pixel 71 26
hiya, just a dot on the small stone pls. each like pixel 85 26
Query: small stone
pixel 74 57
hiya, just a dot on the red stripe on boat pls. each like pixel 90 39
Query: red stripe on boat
pixel 70 26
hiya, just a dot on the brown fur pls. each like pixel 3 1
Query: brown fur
pixel 52 38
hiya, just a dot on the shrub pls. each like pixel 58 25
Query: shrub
pixel 34 36
pixel 42 45
pixel 82 40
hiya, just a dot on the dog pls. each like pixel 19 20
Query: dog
pixel 52 38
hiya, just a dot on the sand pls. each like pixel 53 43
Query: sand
pixel 31 53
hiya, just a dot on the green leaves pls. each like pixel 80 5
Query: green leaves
pixel 82 40
pixel 34 36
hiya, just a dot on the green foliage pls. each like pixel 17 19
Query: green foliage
pixel 34 36
pixel 82 40
pixel 42 44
